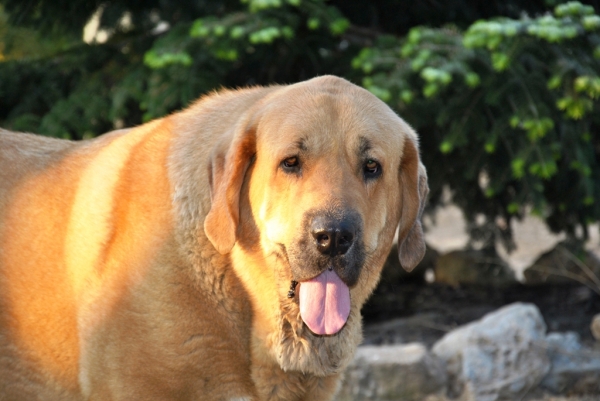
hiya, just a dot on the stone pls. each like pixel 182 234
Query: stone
pixel 575 368
pixel 396 372
pixel 472 267
pixel 567 263
pixel 567 342
pixel 500 357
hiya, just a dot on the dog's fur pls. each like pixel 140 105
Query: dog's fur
pixel 154 263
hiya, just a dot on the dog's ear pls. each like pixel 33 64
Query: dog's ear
pixel 413 184
pixel 227 168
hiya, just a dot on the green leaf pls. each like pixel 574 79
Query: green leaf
pixel 237 32
pixel 515 121
pixel 500 61
pixel 266 35
pixel 414 35
pixel 430 89
pixel 407 96
pixel 313 23
pixel 407 50
pixel 573 9
pixel 156 60
pixel 446 147
pixel 219 30
pixel 258 5
pixel 339 26
pixel 472 80
pixel 512 208
pixel 518 168
pixel 227 54
pixel 287 32
pixel 430 74
pixel 554 82
pixel 199 29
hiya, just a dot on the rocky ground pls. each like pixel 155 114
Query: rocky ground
pixel 438 298
pixel 406 307
pixel 478 344
pixel 402 313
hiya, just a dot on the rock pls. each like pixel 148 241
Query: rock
pixel 472 267
pixel 595 327
pixel 567 342
pixel 500 357
pixel 567 263
pixel 399 372
pixel 575 369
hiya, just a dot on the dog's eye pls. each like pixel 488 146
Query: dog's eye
pixel 371 169
pixel 291 164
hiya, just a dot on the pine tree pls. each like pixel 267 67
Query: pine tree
pixel 504 94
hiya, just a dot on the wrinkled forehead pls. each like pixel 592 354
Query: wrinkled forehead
pixel 325 122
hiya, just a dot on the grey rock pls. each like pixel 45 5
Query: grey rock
pixel 472 267
pixel 500 357
pixel 575 368
pixel 563 342
pixel 398 372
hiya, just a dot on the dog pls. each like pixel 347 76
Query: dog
pixel 219 253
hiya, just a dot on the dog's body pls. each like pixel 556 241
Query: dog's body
pixel 155 263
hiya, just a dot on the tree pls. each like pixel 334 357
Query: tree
pixel 511 106
pixel 506 106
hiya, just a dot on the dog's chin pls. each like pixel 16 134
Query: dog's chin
pixel 298 349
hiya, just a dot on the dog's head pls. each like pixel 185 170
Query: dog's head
pixel 311 189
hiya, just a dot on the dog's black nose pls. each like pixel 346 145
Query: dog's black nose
pixel 332 237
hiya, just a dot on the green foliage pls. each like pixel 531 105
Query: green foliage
pixel 505 97
pixel 21 42
pixel 511 100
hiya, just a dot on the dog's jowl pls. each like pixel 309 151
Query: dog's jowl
pixel 220 253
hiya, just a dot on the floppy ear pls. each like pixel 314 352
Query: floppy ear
pixel 413 182
pixel 228 164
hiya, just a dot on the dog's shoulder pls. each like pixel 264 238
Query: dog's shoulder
pixel 14 143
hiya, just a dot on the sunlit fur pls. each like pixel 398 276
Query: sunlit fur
pixel 154 263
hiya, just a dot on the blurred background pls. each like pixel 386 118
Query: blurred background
pixel 504 94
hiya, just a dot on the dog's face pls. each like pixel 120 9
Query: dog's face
pixel 312 190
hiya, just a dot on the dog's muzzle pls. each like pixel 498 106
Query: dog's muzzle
pixel 332 258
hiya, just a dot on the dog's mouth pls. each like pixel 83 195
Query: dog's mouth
pixel 323 300
pixel 324 303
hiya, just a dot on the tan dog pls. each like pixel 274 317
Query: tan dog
pixel 158 263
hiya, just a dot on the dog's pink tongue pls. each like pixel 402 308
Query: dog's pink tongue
pixel 324 303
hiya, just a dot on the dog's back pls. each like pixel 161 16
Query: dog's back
pixel 59 209
pixel 25 160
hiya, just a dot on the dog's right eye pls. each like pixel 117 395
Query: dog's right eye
pixel 291 164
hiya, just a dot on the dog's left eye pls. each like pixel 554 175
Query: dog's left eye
pixel 371 169
pixel 291 164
